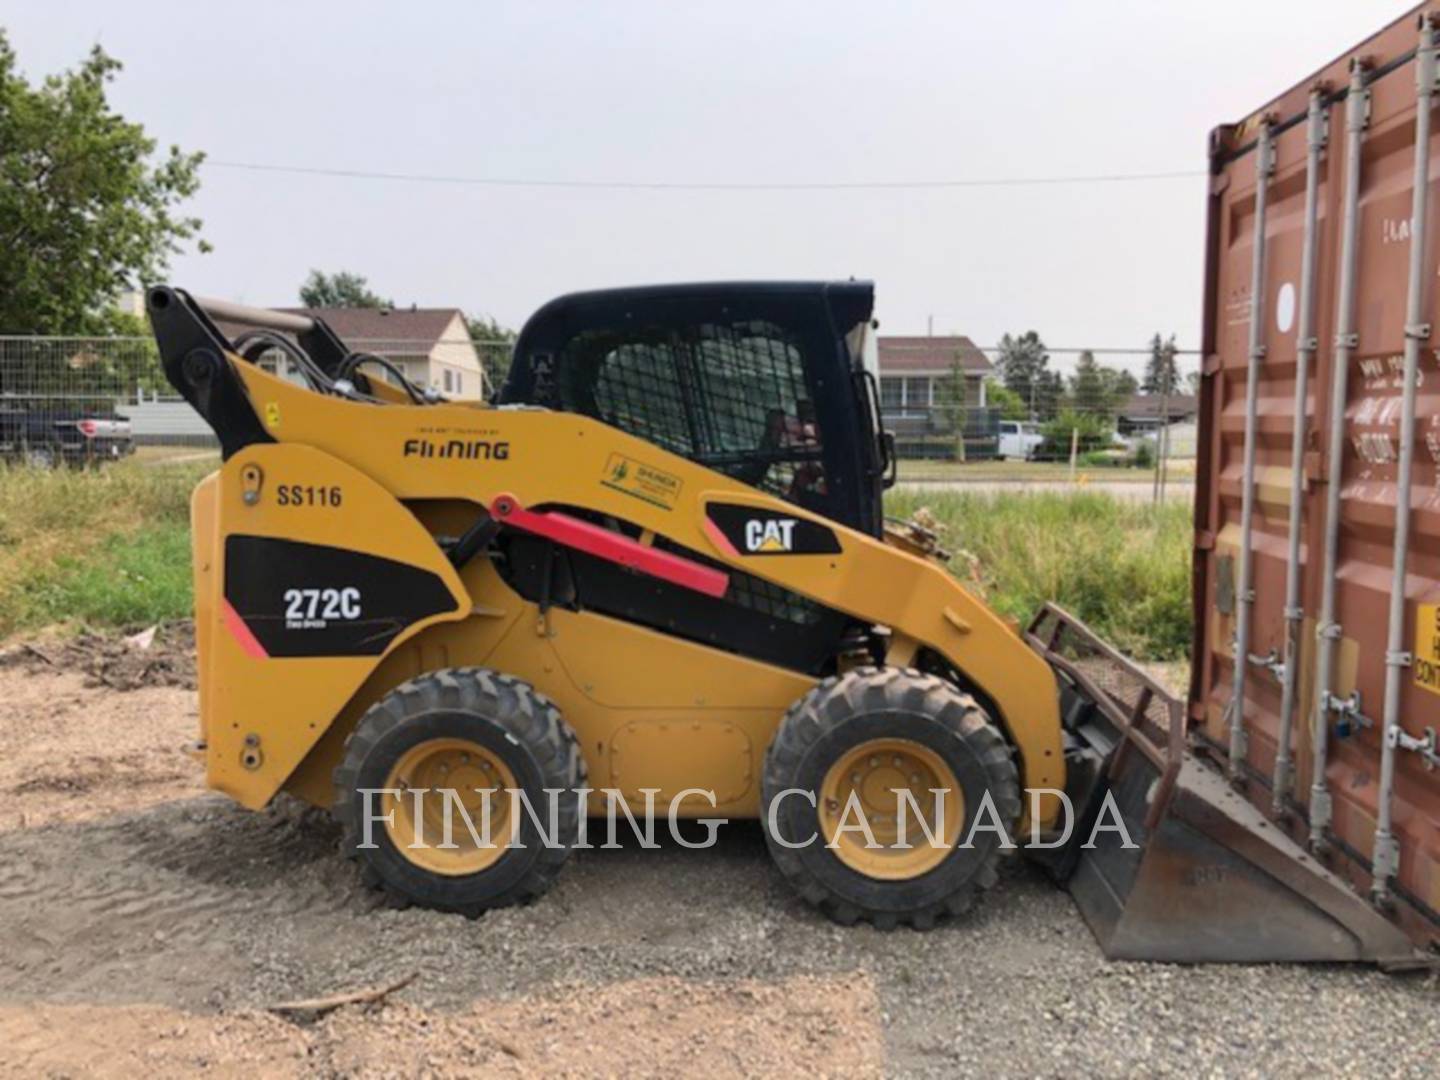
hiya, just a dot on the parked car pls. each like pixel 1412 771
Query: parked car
pixel 1019 439
pixel 46 433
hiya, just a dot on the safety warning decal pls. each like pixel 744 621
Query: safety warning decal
pixel 644 482
pixel 1427 647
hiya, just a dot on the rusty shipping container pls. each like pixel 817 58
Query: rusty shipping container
pixel 1316 681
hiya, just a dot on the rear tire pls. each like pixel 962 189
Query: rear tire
pixel 457 722
pixel 843 732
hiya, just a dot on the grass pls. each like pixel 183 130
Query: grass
pixel 1123 566
pixel 109 547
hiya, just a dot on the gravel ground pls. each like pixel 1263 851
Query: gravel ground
pixel 142 898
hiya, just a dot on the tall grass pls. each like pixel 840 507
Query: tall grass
pixel 107 546
pixel 1121 565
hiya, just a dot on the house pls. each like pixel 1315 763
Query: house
pixel 431 346
pixel 913 372
pixel 1144 413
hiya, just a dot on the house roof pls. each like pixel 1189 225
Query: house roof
pixel 1147 406
pixel 927 354
pixel 387 331
pixel 397 331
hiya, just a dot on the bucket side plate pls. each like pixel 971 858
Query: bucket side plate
pixel 1197 874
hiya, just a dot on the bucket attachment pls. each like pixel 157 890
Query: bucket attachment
pixel 1204 877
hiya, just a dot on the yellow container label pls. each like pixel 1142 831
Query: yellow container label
pixel 1427 647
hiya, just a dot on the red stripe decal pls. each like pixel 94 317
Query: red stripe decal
pixel 719 539
pixel 236 625
pixel 611 546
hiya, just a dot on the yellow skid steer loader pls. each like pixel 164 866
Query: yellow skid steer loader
pixel 655 573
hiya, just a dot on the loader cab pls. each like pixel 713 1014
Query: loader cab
pixel 763 382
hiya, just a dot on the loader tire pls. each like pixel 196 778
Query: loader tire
pixel 857 737
pixel 468 729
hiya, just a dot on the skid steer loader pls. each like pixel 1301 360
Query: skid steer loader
pixel 657 569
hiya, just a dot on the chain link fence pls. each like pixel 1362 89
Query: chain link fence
pixel 82 399
pixel 87 398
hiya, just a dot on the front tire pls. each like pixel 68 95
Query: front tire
pixel 841 753
pixel 480 734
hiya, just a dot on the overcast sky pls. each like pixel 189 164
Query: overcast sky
pixel 725 92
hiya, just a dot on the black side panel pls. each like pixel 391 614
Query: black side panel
pixel 753 531
pixel 311 600
pixel 754 619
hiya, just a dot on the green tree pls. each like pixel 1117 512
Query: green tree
pixel 1087 385
pixel 1097 389
pixel 1024 368
pixel 1120 385
pixel 86 210
pixel 1162 376
pixel 340 290
pixel 1011 405
pixel 1091 431
pixel 495 344
pixel 950 398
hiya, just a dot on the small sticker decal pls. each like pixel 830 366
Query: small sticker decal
pixel 644 482
pixel 1285 308
pixel 1427 647
pixel 272 414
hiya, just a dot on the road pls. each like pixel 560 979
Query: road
pixel 1120 489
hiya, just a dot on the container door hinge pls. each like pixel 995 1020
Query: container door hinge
pixel 1347 710
pixel 1271 662
pixel 1386 863
pixel 1426 747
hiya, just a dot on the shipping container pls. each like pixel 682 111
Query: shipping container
pixel 1316 681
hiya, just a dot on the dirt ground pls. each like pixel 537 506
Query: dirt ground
pixel 146 925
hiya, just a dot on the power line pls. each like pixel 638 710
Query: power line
pixel 658 185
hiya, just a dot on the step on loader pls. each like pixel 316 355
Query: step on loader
pixel 656 572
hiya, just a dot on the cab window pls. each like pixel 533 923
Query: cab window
pixel 730 396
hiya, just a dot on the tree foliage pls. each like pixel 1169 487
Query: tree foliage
pixel 1097 389
pixel 1162 374
pixel 340 290
pixel 493 342
pixel 1024 367
pixel 951 392
pixel 86 212
pixel 1011 405
pixel 1091 431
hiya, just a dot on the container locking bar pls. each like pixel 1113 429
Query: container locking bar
pixel 1245 592
pixel 1386 862
pixel 1307 345
pixel 1357 119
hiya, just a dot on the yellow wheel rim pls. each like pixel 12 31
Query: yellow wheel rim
pixel 865 783
pixel 471 771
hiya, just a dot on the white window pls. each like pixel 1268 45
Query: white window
pixel 448 387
